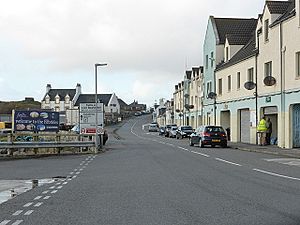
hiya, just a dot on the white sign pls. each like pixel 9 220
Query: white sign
pixel 87 118
pixel 253 118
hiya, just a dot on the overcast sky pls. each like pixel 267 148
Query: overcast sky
pixel 148 44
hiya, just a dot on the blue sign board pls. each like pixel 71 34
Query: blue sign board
pixel 35 121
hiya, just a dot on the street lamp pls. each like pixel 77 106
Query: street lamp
pixel 96 108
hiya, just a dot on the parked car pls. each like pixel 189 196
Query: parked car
pixel 168 128
pixel 153 128
pixel 172 132
pixel 209 135
pixel 184 131
pixel 162 130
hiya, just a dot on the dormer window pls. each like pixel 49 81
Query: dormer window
pixel 266 30
pixel 67 99
pixel 57 99
pixel 227 53
pixel 47 99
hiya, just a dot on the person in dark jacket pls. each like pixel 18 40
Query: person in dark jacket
pixel 269 131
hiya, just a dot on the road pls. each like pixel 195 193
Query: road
pixel 147 179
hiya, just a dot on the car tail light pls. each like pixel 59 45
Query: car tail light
pixel 205 134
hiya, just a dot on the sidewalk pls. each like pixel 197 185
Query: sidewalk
pixel 268 149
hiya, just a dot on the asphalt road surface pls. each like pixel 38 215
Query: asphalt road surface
pixel 147 179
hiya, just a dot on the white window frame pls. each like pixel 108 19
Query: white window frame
pixel 229 83
pixel 250 74
pixel 298 64
pixel 220 86
pixel 268 69
pixel 238 80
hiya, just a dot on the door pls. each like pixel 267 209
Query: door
pixel 245 125
pixel 296 126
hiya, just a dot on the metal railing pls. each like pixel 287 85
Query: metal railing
pixel 38 141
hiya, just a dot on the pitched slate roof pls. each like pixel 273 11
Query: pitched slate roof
pixel 239 27
pixel 122 103
pixel 289 12
pixel 237 40
pixel 61 93
pixel 278 7
pixel 90 98
pixel 244 53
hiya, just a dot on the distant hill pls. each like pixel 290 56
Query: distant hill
pixel 28 103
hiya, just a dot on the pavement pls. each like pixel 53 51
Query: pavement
pixel 267 149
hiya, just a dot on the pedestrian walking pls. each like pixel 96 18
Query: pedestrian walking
pixel 269 131
pixel 261 130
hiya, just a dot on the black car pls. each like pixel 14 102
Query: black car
pixel 209 135
pixel 184 131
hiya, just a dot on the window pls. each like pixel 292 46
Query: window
pixel 208 87
pixel 206 62
pixel 229 82
pixel 238 80
pixel 226 54
pixel 298 64
pixel 266 30
pixel 268 69
pixel 212 59
pixel 251 74
pixel 220 86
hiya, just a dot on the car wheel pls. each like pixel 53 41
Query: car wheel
pixel 201 145
pixel 177 137
pixel 181 137
pixel 213 146
pixel 224 145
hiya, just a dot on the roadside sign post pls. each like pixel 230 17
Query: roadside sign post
pixel 91 120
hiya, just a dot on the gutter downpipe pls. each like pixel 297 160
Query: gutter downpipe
pixel 256 89
pixel 282 85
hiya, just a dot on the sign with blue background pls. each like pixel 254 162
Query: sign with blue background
pixel 36 121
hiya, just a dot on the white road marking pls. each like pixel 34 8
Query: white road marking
pixel 161 142
pixel 28 212
pixel 47 197
pixel 69 179
pixel 183 148
pixel 65 183
pixel 169 144
pixel 275 174
pixel 38 197
pixel 58 183
pixel 75 169
pixel 198 153
pixel 59 187
pixel 4 222
pixel 77 173
pixel 75 176
pixel 45 192
pixel 53 192
pixel 71 173
pixel 17 222
pixel 17 213
pixel 286 161
pixel 38 204
pixel 225 161
pixel 52 187
pixel 28 204
pixel 80 169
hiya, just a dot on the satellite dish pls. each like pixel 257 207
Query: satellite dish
pixel 177 110
pixel 212 95
pixel 269 81
pixel 186 95
pixel 249 85
pixel 191 106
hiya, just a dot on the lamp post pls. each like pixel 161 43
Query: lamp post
pixel 96 108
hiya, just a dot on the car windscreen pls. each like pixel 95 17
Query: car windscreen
pixel 214 129
pixel 186 128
